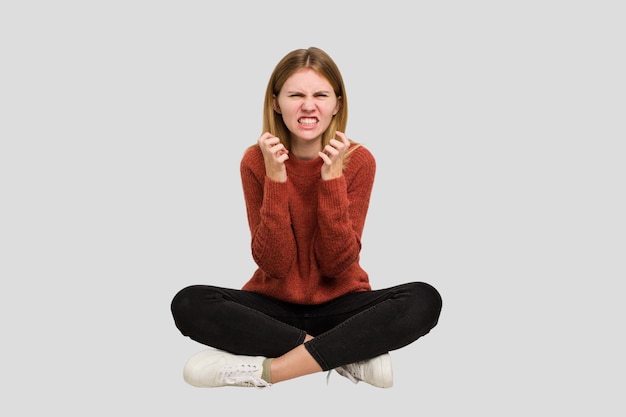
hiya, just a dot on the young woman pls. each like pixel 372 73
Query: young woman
pixel 309 306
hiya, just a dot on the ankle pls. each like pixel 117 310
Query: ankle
pixel 267 374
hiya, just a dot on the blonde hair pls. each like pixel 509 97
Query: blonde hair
pixel 319 61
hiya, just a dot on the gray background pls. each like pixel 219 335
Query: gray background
pixel 500 181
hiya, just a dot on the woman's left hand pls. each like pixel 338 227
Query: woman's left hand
pixel 333 155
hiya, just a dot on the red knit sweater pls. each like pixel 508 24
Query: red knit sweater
pixel 306 232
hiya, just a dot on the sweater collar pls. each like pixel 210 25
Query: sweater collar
pixel 304 168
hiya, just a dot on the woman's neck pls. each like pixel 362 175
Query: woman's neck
pixel 306 150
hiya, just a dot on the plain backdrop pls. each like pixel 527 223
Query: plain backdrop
pixel 498 129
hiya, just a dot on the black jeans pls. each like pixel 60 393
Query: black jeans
pixel 351 328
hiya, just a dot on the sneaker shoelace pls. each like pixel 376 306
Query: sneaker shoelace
pixel 242 376
pixel 351 371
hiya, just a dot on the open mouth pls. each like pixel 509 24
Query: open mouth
pixel 308 120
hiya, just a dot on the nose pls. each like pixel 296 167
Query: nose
pixel 308 103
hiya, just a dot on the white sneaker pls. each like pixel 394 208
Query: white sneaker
pixel 216 368
pixel 376 371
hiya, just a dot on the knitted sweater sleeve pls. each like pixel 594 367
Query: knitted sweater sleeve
pixel 342 209
pixel 267 205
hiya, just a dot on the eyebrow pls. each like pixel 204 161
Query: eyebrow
pixel 315 92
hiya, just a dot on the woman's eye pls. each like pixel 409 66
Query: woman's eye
pixel 302 95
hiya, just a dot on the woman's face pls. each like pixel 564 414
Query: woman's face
pixel 307 103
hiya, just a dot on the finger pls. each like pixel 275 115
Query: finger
pixel 271 145
pixel 343 138
pixel 263 138
pixel 277 147
pixel 271 141
pixel 330 151
pixel 336 144
pixel 325 158
pixel 282 157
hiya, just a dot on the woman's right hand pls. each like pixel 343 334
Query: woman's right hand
pixel 274 155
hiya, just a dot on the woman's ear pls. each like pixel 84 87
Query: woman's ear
pixel 275 104
pixel 337 106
